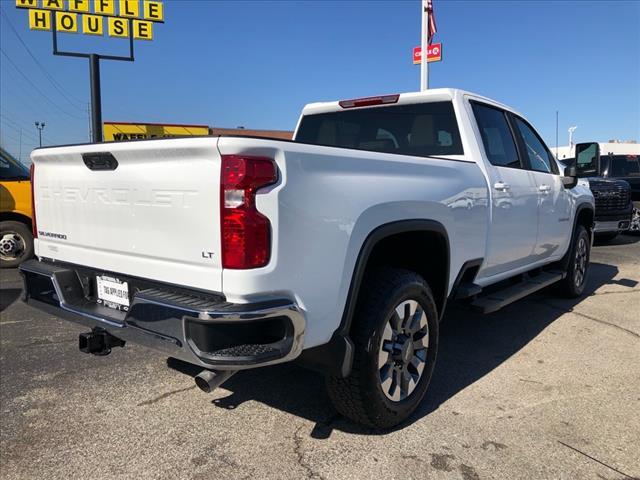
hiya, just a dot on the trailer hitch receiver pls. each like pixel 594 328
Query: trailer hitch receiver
pixel 98 342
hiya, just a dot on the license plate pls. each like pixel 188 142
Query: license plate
pixel 112 292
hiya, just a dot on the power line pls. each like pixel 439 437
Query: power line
pixel 37 89
pixel 44 70
pixel 25 129
pixel 18 129
pixel 27 99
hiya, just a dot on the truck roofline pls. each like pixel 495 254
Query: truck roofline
pixel 407 98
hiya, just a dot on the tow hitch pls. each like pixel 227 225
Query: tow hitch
pixel 98 342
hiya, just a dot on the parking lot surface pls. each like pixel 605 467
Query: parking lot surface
pixel 546 388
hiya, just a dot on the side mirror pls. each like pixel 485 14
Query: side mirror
pixel 570 176
pixel 587 159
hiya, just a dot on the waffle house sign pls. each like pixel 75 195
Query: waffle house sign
pixel 121 18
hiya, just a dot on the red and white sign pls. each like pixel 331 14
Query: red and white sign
pixel 434 54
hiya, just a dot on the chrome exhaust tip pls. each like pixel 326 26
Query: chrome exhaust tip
pixel 209 380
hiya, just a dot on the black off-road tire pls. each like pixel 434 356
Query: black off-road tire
pixel 360 396
pixel 22 234
pixel 572 286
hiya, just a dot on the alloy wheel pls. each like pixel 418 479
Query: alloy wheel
pixel 580 269
pixel 403 350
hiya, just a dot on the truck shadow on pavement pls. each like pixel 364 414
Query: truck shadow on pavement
pixel 8 296
pixel 471 346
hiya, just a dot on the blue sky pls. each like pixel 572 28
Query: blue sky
pixel 257 63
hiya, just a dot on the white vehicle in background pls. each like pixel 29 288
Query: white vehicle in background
pixel 339 249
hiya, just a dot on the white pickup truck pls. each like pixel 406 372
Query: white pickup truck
pixel 339 249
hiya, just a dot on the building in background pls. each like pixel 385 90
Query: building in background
pixel 120 131
pixel 614 147
pixel 246 132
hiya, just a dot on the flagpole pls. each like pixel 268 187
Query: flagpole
pixel 424 66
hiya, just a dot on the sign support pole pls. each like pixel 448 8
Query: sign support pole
pixel 94 76
pixel 96 101
pixel 424 64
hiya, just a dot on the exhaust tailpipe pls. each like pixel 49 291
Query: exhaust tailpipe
pixel 209 380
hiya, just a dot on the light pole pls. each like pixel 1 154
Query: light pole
pixel 571 130
pixel 40 126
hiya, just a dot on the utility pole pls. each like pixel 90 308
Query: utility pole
pixel 89 114
pixel 571 130
pixel 557 155
pixel 20 147
pixel 40 126
pixel 96 101
pixel 424 45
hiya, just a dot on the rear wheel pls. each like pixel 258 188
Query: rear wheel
pixel 573 284
pixel 395 333
pixel 16 243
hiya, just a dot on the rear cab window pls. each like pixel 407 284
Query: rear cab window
pixel 424 129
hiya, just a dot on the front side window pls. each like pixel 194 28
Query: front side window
pixel 422 130
pixel 496 136
pixel 540 159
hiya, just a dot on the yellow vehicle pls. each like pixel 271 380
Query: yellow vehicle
pixel 16 239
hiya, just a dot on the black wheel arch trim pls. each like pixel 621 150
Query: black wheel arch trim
pixel 336 357
pixel 564 262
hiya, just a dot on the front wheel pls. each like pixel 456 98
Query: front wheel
pixel 573 284
pixel 395 334
pixel 634 226
pixel 16 244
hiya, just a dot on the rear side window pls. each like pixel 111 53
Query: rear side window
pixel 540 158
pixel 624 166
pixel 498 141
pixel 421 129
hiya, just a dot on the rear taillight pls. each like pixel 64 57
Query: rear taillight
pixel 245 232
pixel 368 101
pixel 32 175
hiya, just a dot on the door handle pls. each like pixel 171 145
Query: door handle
pixel 501 186
pixel 544 188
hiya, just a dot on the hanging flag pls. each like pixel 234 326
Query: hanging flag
pixel 432 29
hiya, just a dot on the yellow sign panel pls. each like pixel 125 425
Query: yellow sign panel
pixel 104 7
pixel 92 24
pixel 53 4
pixel 118 27
pixel 131 17
pixel 27 3
pixel 67 22
pixel 142 30
pixel 81 6
pixel 116 132
pixel 153 11
pixel 129 8
pixel 39 20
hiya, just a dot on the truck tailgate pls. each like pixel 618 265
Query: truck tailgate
pixel 155 215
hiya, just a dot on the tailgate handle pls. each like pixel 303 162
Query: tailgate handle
pixel 100 161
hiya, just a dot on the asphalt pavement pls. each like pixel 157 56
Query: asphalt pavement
pixel 546 388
